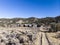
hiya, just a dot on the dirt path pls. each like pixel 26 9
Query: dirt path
pixel 42 39
pixel 38 41
pixel 45 40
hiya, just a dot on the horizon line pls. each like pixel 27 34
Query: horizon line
pixel 27 17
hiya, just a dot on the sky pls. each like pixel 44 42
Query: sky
pixel 29 8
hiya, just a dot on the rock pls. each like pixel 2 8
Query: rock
pixel 14 37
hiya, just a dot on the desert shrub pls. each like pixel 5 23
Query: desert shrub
pixel 58 26
pixel 53 26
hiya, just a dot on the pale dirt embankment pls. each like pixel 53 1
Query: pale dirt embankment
pixel 52 39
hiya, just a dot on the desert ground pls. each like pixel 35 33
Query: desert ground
pixel 27 36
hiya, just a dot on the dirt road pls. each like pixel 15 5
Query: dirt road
pixel 42 39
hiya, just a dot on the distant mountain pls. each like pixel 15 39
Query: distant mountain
pixel 31 20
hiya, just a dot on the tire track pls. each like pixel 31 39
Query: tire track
pixel 48 39
pixel 41 39
pixel 45 40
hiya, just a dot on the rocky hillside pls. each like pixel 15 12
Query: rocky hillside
pixel 17 37
pixel 31 20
